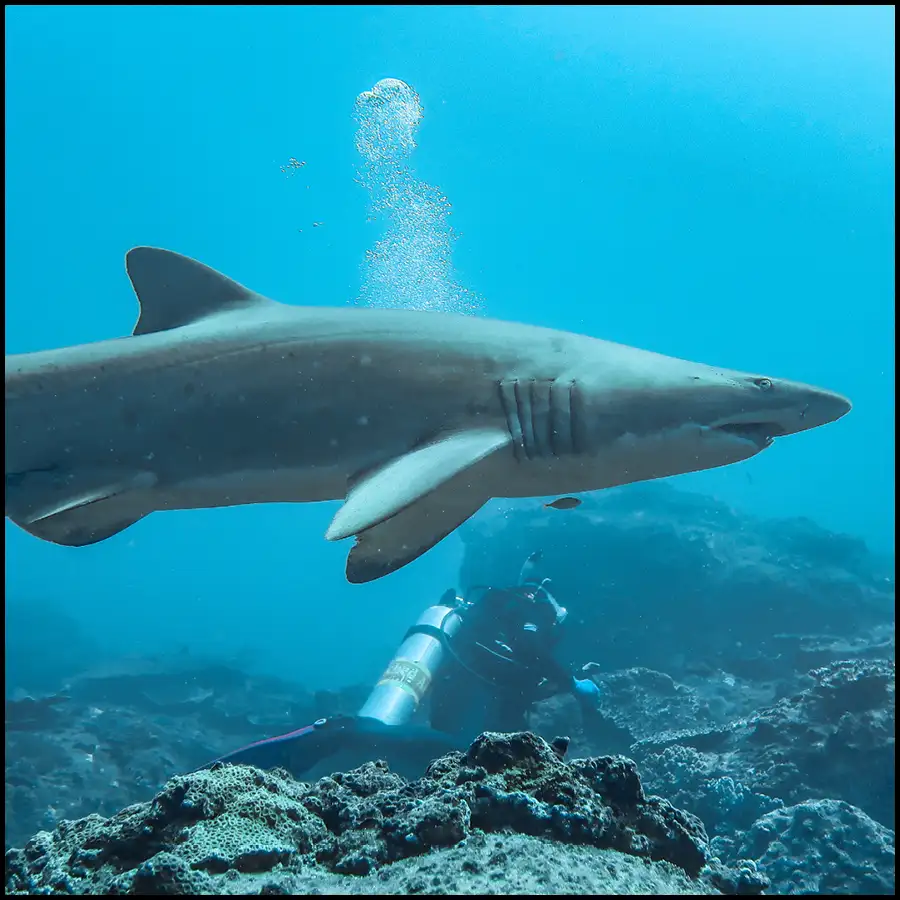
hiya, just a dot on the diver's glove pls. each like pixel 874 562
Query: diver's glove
pixel 586 690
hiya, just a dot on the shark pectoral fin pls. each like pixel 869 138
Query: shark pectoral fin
pixel 394 543
pixel 47 505
pixel 385 492
pixel 175 290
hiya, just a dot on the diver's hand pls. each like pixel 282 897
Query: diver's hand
pixel 586 689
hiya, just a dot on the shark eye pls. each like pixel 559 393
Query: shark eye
pixel 764 384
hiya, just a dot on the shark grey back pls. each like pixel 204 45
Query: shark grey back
pixel 224 397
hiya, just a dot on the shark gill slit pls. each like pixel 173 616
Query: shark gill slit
pixel 523 409
pixel 540 417
pixel 508 404
pixel 564 427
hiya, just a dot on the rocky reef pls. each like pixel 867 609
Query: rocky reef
pixel 680 583
pixel 747 683
pixel 236 829
pixel 825 755
pixel 747 666
pixel 821 847
pixel 115 735
pixel 835 739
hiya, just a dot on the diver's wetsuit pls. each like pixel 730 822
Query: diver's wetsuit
pixel 502 663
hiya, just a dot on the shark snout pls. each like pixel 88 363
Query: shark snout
pixel 787 408
pixel 815 407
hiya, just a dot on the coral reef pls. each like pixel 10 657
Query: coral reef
pixel 115 736
pixel 210 831
pixel 821 847
pixel 833 740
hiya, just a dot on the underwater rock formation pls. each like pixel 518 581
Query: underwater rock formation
pixel 828 748
pixel 236 829
pixel 680 583
pixel 117 735
pixel 834 740
pixel 822 847
pixel 37 625
pixel 745 666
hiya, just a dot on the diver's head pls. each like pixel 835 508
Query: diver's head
pixel 540 593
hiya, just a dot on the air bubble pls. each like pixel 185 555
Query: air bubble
pixel 410 265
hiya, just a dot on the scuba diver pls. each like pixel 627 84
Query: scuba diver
pixel 482 663
pixel 504 659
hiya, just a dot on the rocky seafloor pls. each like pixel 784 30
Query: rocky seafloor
pixel 771 724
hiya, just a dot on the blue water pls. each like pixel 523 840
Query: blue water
pixel 711 183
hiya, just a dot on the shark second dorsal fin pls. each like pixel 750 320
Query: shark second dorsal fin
pixel 175 290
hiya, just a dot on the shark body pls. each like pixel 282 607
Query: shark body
pixel 223 397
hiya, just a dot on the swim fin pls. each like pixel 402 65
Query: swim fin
pixel 346 742
pixel 297 751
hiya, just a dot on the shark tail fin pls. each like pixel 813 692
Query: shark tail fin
pixel 175 290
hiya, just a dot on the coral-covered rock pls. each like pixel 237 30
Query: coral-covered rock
pixel 834 740
pixel 822 847
pixel 208 829
pixel 116 736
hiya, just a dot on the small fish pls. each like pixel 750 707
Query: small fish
pixel 292 166
pixel 564 503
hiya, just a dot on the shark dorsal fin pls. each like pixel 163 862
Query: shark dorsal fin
pixel 175 290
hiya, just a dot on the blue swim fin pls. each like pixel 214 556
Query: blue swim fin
pixel 297 751
pixel 343 743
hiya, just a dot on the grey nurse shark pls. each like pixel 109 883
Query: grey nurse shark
pixel 223 397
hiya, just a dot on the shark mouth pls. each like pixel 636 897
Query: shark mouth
pixel 760 433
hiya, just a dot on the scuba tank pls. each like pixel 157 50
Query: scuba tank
pixel 348 741
pixel 428 643
pixel 409 674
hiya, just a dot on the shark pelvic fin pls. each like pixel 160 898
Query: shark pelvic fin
pixel 404 481
pixel 44 504
pixel 174 290
pixel 81 525
pixel 399 540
